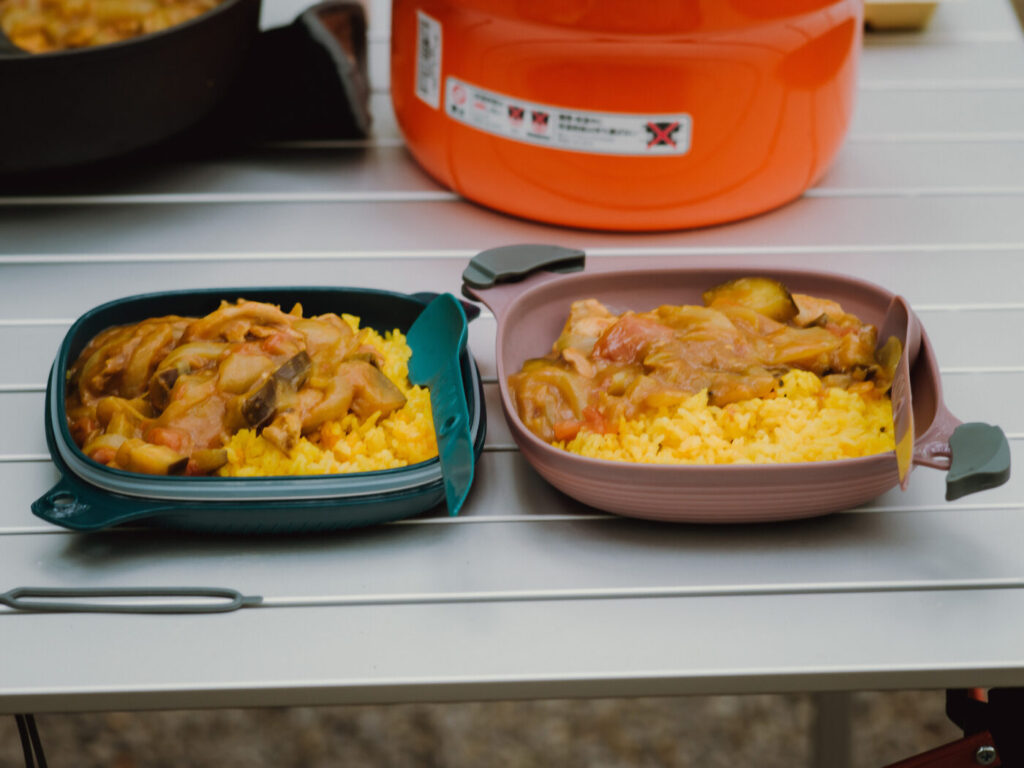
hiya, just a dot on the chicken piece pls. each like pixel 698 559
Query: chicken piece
pixel 184 360
pixel 154 343
pixel 630 339
pixel 284 432
pixel 707 338
pixel 241 321
pixel 240 371
pixel 588 319
pixel 549 397
pixel 816 311
pixel 197 414
pixel 326 404
pixel 726 387
pixel 856 340
pixel 325 333
pixel 579 361
pixel 101 367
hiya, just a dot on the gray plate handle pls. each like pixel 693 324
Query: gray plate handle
pixel 20 598
pixel 980 459
pixel 514 262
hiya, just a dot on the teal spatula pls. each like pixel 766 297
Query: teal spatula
pixel 437 339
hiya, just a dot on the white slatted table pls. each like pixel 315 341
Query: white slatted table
pixel 528 594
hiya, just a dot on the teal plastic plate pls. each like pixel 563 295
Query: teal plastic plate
pixel 91 496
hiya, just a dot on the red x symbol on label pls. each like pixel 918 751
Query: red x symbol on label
pixel 662 133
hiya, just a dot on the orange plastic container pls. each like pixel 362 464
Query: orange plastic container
pixel 625 115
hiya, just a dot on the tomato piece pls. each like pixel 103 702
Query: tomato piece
pixel 174 439
pixel 279 343
pixel 104 455
pixel 567 430
pixel 595 421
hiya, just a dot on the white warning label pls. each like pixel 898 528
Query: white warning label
pixel 577 130
pixel 428 59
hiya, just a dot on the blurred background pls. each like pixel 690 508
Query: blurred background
pixel 711 732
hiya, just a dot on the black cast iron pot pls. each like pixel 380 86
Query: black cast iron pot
pixel 212 81
pixel 76 106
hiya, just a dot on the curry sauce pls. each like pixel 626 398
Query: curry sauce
pixel 606 367
pixel 165 395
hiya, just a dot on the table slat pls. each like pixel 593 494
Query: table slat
pixel 336 655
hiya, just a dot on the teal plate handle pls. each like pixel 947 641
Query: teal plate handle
pixel 980 459
pixel 437 338
pixel 74 505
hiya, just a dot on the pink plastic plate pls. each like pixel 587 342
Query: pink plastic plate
pixel 532 303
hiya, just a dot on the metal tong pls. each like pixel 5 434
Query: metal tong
pixel 42 599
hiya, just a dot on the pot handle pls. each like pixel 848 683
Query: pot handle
pixel 74 505
pixel 976 456
pixel 489 269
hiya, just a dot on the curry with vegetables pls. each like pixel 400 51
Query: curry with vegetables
pixel 607 368
pixel 41 26
pixel 164 396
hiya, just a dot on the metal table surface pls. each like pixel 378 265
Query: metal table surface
pixel 528 594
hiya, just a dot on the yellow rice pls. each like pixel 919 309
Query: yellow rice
pixel 404 437
pixel 804 421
